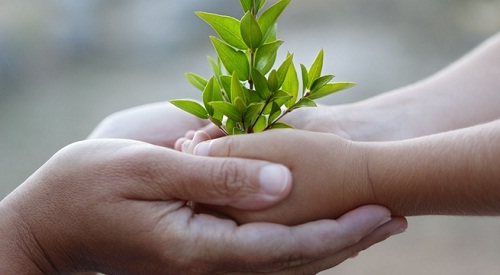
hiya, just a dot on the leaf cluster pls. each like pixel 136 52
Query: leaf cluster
pixel 245 94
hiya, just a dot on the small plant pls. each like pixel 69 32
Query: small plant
pixel 245 94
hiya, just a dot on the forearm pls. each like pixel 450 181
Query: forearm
pixel 464 94
pixel 453 173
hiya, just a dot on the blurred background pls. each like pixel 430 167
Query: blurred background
pixel 66 64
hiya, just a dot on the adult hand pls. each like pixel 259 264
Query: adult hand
pixel 158 123
pixel 119 206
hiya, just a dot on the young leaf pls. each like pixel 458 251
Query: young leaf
pixel 320 82
pixel 272 34
pixel 275 112
pixel 253 112
pixel 260 82
pixel 270 16
pixel 291 85
pixel 281 97
pixel 191 107
pixel 280 125
pixel 246 5
pixel 208 96
pixel 238 103
pixel 305 78
pixel 283 69
pixel 227 109
pixel 250 31
pixel 272 81
pixel 237 90
pixel 233 60
pixel 197 81
pixel 225 81
pixel 304 102
pixel 329 89
pixel 228 28
pixel 211 93
pixel 238 131
pixel 215 66
pixel 260 125
pixel 316 68
pixel 266 56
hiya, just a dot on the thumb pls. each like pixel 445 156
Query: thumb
pixel 241 183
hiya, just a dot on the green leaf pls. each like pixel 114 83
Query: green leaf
pixel 283 69
pixel 230 125
pixel 260 125
pixel 272 34
pixel 275 112
pixel 196 80
pixel 240 105
pixel 215 66
pixel 281 97
pixel 228 28
pixel 237 90
pixel 208 95
pixel 191 107
pixel 253 112
pixel 233 60
pixel 320 82
pixel 272 81
pixel 216 121
pixel 247 5
pixel 227 109
pixel 260 82
pixel 291 85
pixel 226 80
pixel 238 131
pixel 270 16
pixel 266 56
pixel 305 78
pixel 250 31
pixel 316 68
pixel 329 89
pixel 280 125
pixel 304 102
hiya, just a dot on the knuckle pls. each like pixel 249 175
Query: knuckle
pixel 228 180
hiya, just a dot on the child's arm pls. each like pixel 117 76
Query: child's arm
pixel 453 173
pixel 463 94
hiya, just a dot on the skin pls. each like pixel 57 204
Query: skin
pixel 119 206
pixel 432 147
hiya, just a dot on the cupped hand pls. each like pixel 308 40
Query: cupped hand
pixel 119 206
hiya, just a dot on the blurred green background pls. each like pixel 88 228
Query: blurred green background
pixel 66 64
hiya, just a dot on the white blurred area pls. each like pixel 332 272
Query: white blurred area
pixel 66 64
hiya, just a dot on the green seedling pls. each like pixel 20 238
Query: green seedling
pixel 246 94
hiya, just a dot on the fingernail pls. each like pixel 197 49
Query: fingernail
pixel 274 179
pixel 202 149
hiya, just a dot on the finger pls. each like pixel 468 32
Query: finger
pixel 395 226
pixel 212 130
pixel 276 248
pixel 240 183
pixel 178 143
pixel 198 137
pixel 238 146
